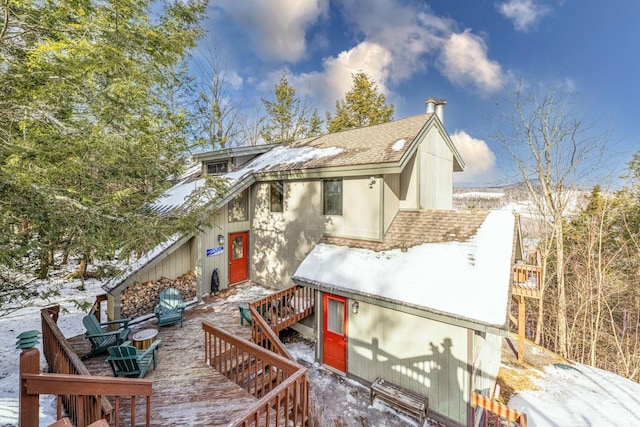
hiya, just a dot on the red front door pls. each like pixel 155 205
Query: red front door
pixel 238 257
pixel 335 332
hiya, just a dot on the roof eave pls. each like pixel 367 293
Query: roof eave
pixel 123 281
pixel 226 153
pixel 405 307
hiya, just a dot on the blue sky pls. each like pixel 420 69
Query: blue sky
pixel 466 51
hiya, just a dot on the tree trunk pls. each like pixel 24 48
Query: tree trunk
pixel 562 299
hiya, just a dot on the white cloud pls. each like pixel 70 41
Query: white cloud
pixel 234 80
pixel 400 40
pixel 335 79
pixel 524 13
pixel 464 61
pixel 480 161
pixel 277 27
pixel 396 41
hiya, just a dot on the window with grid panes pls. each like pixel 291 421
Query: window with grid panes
pixel 332 197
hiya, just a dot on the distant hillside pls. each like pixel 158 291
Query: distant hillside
pixel 492 197
pixel 515 197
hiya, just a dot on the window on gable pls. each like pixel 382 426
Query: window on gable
pixel 332 197
pixel 217 168
pixel 276 196
pixel 238 207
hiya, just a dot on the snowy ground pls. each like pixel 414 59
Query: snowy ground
pixel 28 318
pixel 574 396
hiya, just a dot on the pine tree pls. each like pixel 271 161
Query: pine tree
pixel 87 135
pixel 288 117
pixel 362 106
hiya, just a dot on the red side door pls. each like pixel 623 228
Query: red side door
pixel 335 332
pixel 238 270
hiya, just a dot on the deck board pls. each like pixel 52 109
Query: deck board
pixel 186 391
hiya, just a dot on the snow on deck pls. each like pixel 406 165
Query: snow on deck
pixel 468 279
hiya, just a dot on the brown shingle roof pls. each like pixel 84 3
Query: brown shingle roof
pixel 412 228
pixel 368 145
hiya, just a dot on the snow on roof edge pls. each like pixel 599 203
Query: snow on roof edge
pixel 455 319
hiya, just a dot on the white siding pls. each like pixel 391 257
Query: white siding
pixel 486 362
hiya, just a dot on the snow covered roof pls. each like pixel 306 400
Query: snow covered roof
pixel 134 266
pixel 386 143
pixel 465 275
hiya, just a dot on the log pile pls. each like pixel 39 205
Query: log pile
pixel 139 299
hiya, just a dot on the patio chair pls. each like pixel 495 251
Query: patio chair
pixel 171 307
pixel 102 339
pixel 126 361
pixel 245 314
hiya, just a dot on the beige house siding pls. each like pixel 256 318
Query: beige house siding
pixel 419 354
pixel 361 211
pixel 280 241
pixel 436 172
pixel 182 260
pixel 409 196
pixel 176 264
pixel 209 240
pixel 391 198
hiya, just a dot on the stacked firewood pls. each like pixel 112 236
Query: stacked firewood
pixel 139 299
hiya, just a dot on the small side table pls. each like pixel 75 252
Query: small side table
pixel 144 338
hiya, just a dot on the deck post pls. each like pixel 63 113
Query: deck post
pixel 29 403
pixel 521 328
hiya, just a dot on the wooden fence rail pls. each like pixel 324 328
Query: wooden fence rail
pixel 280 385
pixel 284 308
pixel 495 413
pixel 84 396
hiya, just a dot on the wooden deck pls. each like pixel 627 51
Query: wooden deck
pixel 186 391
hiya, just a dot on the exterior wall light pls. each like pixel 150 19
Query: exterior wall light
pixel 220 239
pixel 354 307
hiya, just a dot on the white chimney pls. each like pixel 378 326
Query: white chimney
pixel 435 105
pixel 431 105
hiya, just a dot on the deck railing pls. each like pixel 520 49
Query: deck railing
pixel 280 385
pixel 526 280
pixel 495 413
pixel 284 308
pixel 83 395
pixel 265 337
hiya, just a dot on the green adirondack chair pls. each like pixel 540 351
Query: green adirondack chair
pixel 126 361
pixel 171 307
pixel 102 339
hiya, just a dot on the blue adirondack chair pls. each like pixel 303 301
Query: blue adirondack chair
pixel 126 361
pixel 171 307
pixel 102 339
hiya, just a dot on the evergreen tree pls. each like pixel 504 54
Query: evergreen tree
pixel 288 117
pixel 87 134
pixel 362 106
